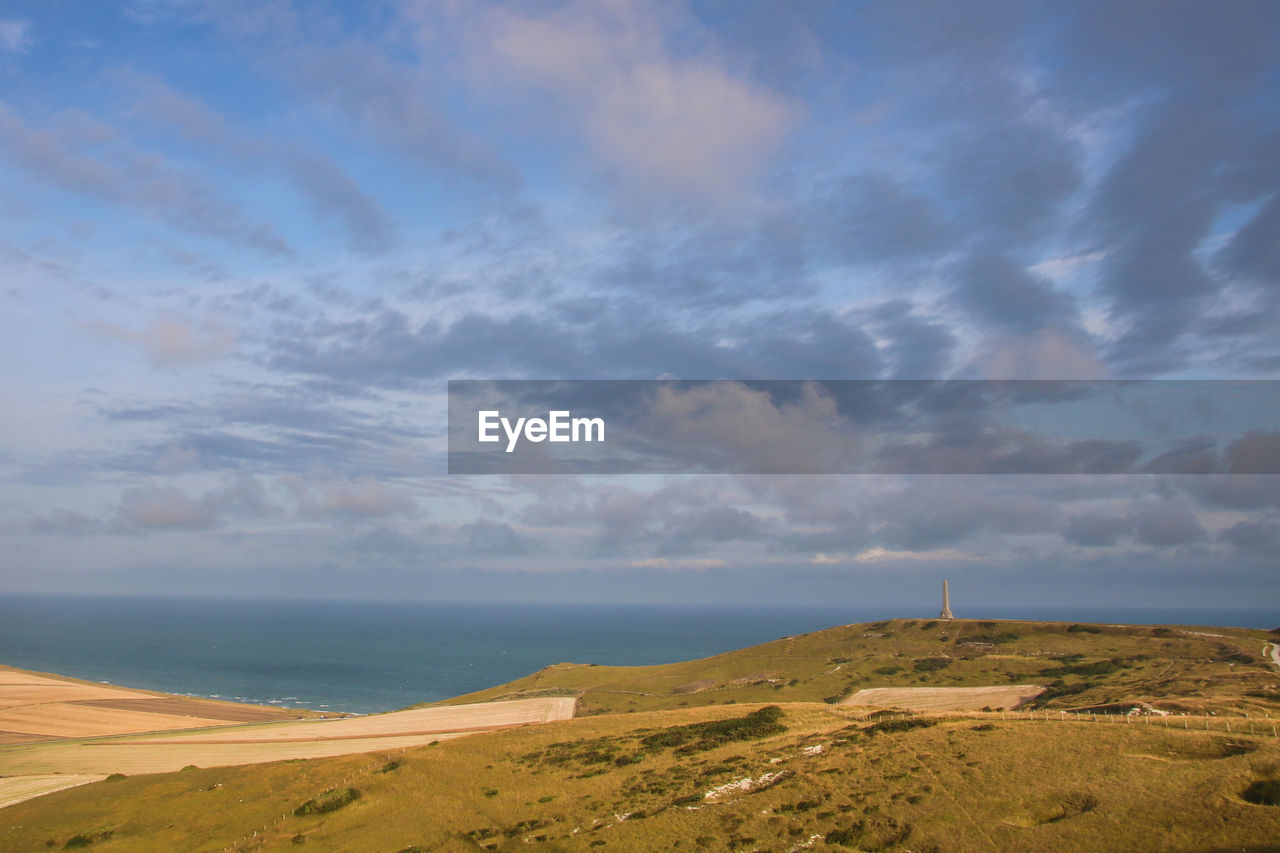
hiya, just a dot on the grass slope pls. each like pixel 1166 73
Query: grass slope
pixel 817 780
pixel 1173 667
pixel 659 762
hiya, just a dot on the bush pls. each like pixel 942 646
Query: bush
pixel 1101 667
pixel 1264 792
pixel 931 664
pixel 77 841
pixel 698 737
pixel 889 726
pixel 1084 629
pixel 844 837
pixel 329 801
pixel 115 777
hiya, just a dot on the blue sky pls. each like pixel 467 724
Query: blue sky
pixel 244 245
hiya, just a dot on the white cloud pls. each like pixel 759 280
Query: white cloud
pixel 13 36
pixel 660 122
pixel 878 555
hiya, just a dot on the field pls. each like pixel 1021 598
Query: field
pixel 767 748
pixel 38 706
pixel 815 778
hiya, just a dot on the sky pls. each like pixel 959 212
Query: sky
pixel 245 245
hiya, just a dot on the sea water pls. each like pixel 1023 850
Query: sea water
pixel 371 657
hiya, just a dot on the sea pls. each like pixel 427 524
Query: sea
pixel 366 657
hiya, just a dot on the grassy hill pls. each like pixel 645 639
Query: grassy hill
pixel 712 779
pixel 1178 668
pixel 741 752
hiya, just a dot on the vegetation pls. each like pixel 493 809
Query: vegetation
pixel 1264 792
pixel 779 770
pixel 1187 669
pixel 329 801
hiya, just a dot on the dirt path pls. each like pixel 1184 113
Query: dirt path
pixel 946 698
pixel 1275 654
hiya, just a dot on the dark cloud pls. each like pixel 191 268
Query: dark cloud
pixel 1165 525
pixel 1097 529
pixel 1260 538
pixel 1000 293
pixel 62 522
pixel 483 537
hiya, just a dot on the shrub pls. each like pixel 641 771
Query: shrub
pixel 888 670
pixel 698 737
pixel 888 726
pixel 1264 792
pixel 931 664
pixel 115 777
pixel 389 766
pixel 77 841
pixel 844 837
pixel 1084 629
pixel 1101 667
pixel 329 801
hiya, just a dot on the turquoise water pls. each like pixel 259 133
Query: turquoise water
pixel 370 657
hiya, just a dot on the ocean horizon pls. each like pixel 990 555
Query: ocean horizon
pixel 369 657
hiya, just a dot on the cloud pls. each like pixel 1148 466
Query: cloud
pixel 996 290
pixel 484 537
pixel 330 191
pixel 153 507
pixel 1097 529
pixel 879 555
pixel 1261 538
pixel 62 522
pixel 14 35
pixel 664 563
pixel 362 498
pixel 657 120
pixel 1166 525
pixel 78 157
pixel 172 342
pixel 1046 354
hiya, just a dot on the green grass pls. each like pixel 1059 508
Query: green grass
pixel 634 772
pixel 1178 668
pixel 891 784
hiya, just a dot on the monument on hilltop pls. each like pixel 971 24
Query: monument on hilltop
pixel 946 603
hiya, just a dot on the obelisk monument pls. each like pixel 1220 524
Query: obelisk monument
pixel 946 603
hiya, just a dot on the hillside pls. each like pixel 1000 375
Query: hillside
pixel 801 777
pixel 1176 668
pixel 750 750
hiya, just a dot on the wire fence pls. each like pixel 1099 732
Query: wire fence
pixel 1229 724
